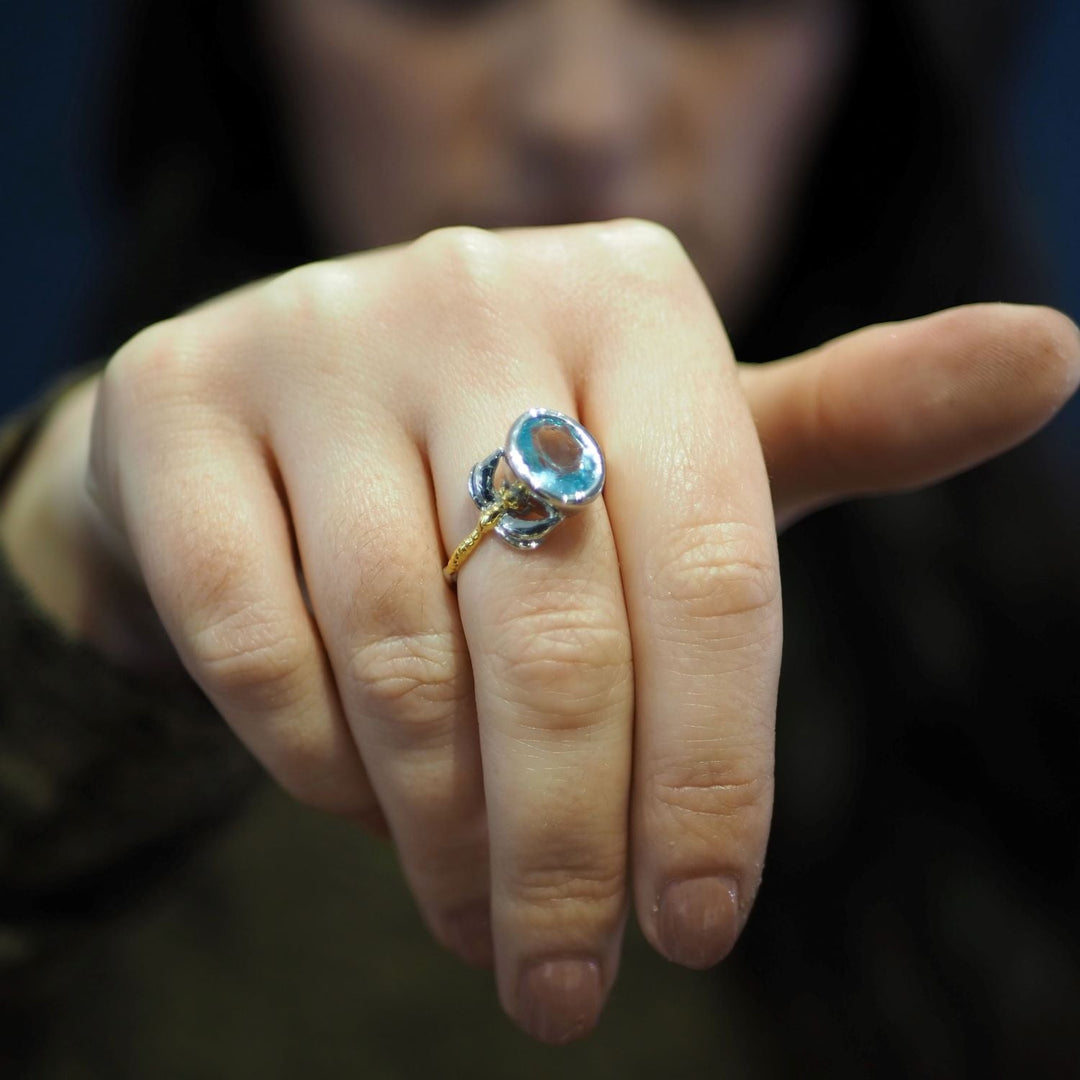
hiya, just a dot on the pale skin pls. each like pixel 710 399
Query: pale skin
pixel 262 492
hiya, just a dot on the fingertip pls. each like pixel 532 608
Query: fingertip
pixel 467 932
pixel 698 921
pixel 1053 346
pixel 1030 358
pixel 369 818
pixel 559 1000
pixel 975 380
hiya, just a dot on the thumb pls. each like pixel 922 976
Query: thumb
pixel 902 405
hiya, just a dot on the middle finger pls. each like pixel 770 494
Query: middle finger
pixel 550 648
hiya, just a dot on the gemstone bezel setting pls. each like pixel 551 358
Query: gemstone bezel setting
pixel 560 487
pixel 552 489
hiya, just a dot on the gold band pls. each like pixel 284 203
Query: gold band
pixel 509 497
pixel 489 518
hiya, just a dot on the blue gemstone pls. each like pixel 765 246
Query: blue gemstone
pixel 556 457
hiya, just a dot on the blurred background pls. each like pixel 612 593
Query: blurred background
pixel 54 217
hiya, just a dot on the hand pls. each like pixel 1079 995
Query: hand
pixel 606 701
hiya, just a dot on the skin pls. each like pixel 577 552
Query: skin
pixel 262 492
pixel 697 114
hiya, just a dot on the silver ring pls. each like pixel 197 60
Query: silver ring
pixel 550 466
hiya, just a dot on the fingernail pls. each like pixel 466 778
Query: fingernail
pixel 698 920
pixel 468 933
pixel 560 1000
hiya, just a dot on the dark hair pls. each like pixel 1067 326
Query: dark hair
pixel 197 171
pixel 919 908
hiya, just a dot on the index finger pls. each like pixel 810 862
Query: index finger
pixel 688 499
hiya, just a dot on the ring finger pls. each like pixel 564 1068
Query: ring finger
pixel 550 649
pixel 371 555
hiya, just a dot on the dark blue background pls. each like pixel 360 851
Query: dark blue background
pixel 54 62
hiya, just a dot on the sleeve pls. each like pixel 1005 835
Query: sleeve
pixel 106 778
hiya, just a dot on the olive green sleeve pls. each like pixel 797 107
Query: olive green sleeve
pixel 106 778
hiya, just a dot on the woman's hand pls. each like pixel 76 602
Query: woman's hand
pixel 282 474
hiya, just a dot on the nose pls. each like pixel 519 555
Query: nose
pixel 584 88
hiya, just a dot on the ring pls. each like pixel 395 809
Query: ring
pixel 549 467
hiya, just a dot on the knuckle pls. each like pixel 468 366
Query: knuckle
pixel 637 266
pixel 644 236
pixel 247 650
pixel 300 298
pixel 716 571
pixel 463 257
pixel 570 854
pixel 472 293
pixel 645 254
pixel 399 667
pixel 156 361
pixel 419 680
pixel 178 377
pixel 729 790
pixel 565 667
pixel 591 879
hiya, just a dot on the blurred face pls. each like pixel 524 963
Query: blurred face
pixel 700 114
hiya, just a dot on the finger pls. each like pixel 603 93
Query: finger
pixel 551 662
pixel 372 554
pixel 198 499
pixel 905 404
pixel 689 504
pixel 546 630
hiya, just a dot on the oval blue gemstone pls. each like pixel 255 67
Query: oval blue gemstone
pixel 556 457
